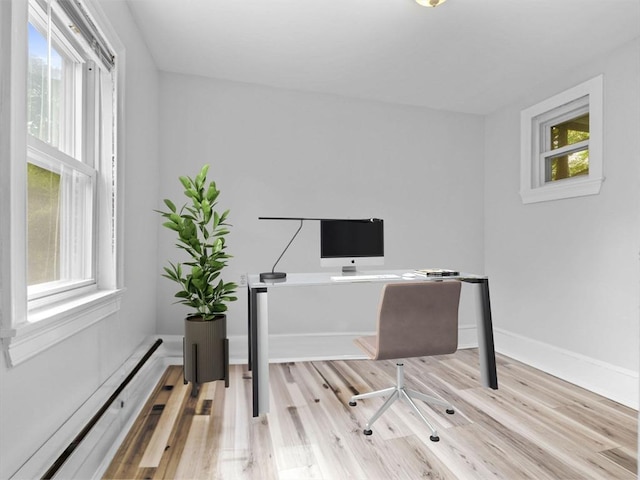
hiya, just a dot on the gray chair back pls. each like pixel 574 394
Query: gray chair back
pixel 417 319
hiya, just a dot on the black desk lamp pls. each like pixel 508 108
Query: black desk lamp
pixel 273 275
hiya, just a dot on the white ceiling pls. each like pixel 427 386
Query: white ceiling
pixel 466 55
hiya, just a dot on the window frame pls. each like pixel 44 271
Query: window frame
pixel 25 332
pixel 534 123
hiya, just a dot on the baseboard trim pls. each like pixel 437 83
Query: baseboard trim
pixel 103 439
pixel 613 382
pixel 117 429
pixel 304 347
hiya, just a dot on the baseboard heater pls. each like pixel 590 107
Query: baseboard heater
pixel 83 433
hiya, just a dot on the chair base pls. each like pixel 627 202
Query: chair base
pixel 401 392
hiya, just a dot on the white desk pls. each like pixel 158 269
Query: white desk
pixel 259 323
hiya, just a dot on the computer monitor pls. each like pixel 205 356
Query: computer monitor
pixel 351 243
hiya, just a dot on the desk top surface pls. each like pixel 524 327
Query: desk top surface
pixel 383 276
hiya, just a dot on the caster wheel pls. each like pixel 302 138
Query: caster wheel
pixel 434 438
pixel 367 431
pixel 352 404
pixel 450 411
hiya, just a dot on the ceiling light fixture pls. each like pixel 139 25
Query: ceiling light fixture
pixel 430 3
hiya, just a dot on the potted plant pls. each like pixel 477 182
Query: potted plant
pixel 201 234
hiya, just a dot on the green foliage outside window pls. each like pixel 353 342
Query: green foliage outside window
pixel 43 225
pixel 569 133
pixel 44 90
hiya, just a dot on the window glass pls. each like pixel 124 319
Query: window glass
pixel 44 89
pixel 573 161
pixel 569 132
pixel 43 225
pixel 59 228
pixel 568 166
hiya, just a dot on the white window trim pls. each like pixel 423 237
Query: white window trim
pixel 24 334
pixel 56 323
pixel 532 187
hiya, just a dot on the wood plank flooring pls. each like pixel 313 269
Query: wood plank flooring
pixel 534 427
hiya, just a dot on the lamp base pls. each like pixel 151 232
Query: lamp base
pixel 272 276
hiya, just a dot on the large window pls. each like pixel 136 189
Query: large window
pixel 63 89
pixel 562 145
pixel 63 241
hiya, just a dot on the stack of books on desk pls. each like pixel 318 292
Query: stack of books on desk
pixel 436 272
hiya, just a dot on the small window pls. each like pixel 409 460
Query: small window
pixel 562 145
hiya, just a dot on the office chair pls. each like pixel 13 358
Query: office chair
pixel 415 319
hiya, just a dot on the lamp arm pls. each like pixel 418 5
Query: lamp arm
pixel 288 244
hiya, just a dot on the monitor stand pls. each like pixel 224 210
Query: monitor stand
pixel 349 270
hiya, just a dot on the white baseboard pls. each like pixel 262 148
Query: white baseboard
pixel 305 347
pixel 613 382
pixel 467 336
pixel 115 430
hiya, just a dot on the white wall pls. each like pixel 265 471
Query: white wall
pixel 284 153
pixel 565 276
pixel 38 396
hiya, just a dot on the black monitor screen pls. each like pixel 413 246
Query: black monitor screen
pixel 351 238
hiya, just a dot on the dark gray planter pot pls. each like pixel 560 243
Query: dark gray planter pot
pixel 205 351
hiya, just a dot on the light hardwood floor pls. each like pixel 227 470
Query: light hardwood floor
pixel 534 427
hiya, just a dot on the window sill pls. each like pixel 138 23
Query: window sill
pixel 53 324
pixel 563 189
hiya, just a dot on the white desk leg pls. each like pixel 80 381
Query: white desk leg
pixel 263 352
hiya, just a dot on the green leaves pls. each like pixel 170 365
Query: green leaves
pixel 206 211
pixel 201 231
pixel 171 225
pixel 170 205
pixel 186 182
pixel 212 192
